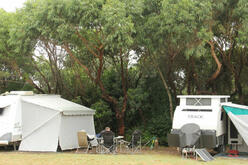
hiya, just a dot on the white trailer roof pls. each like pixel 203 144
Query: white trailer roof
pixel 203 96
pixel 57 103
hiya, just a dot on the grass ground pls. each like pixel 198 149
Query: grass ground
pixel 157 157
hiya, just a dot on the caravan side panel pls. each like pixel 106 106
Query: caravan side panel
pixel 9 125
pixel 70 125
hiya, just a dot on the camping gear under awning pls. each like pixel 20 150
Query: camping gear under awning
pixel 239 116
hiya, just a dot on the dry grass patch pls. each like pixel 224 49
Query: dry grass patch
pixel 158 157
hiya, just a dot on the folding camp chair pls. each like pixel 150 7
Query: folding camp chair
pixel 135 144
pixel 83 141
pixel 108 145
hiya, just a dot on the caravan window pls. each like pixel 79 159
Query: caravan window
pixel 198 110
pixel 198 101
pixel 223 100
pixel 1 111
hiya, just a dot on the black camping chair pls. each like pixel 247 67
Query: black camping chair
pixel 108 142
pixel 135 143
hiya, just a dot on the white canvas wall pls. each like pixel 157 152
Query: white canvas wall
pixel 241 123
pixel 69 127
pixel 43 139
pixel 44 128
pixel 40 128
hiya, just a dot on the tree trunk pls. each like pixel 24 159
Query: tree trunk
pixel 219 65
pixel 44 78
pixel 240 93
pixel 121 123
pixel 189 76
pixel 168 92
pixel 96 78
pixel 236 73
pixel 170 83
pixel 166 87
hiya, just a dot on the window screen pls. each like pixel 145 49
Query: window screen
pixel 223 100
pixel 198 101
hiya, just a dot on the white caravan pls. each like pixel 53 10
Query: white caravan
pixel 200 121
pixel 10 119
pixel 42 122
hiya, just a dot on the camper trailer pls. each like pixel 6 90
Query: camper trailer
pixel 198 121
pixel 201 121
pixel 38 122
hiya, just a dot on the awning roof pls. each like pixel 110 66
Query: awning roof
pixel 57 103
pixel 236 109
pixel 239 116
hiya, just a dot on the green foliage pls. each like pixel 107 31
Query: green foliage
pixel 241 13
pixel 149 109
pixel 103 115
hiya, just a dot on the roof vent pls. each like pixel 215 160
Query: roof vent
pixel 22 93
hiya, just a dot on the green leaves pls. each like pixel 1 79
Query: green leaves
pixel 242 14
pixel 117 25
pixel 184 19
pixel 102 116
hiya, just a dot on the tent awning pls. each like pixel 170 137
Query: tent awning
pixel 238 114
pixel 57 103
pixel 235 110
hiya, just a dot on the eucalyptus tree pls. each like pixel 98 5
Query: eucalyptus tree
pixel 173 28
pixel 5 69
pixel 94 34
pixel 4 34
pixel 187 39
pixel 226 23
pixel 11 76
pixel 235 31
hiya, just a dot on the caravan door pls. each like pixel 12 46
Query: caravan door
pixel 234 137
